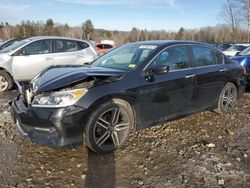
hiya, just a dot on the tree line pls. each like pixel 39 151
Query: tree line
pixel 235 27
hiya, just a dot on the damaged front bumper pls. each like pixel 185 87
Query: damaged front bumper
pixel 53 127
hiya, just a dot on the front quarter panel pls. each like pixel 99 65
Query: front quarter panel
pixel 124 88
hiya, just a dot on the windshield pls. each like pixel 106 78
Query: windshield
pixel 224 47
pixel 245 52
pixel 14 46
pixel 126 57
pixel 237 48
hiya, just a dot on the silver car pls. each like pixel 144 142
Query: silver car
pixel 22 61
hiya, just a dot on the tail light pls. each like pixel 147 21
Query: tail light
pixel 247 71
pixel 244 69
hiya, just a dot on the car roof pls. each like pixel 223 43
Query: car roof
pixel 54 37
pixel 170 42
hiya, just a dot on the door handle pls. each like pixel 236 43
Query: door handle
pixel 223 70
pixel 80 56
pixel 49 58
pixel 190 76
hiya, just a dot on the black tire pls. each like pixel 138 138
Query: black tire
pixel 109 126
pixel 227 99
pixel 5 77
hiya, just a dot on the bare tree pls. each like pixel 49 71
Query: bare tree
pixel 231 13
pixel 245 5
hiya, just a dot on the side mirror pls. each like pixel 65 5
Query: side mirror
pixel 21 53
pixel 237 53
pixel 160 70
pixel 149 74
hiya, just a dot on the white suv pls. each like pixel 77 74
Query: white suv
pixel 235 49
pixel 22 61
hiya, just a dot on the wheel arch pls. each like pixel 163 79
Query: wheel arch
pixel 235 83
pixel 5 70
pixel 125 98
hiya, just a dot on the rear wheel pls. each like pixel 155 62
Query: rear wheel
pixel 109 126
pixel 6 82
pixel 228 98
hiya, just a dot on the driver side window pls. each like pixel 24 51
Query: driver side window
pixel 175 58
pixel 38 47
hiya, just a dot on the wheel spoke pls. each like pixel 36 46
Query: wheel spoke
pixel 115 139
pixel 233 95
pixel 115 116
pixel 121 127
pixel 227 105
pixel 103 123
pixel 3 83
pixel 231 103
pixel 225 98
pixel 103 138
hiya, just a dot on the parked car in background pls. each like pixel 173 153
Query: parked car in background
pixel 224 46
pixel 244 59
pixel 133 86
pixel 9 42
pixel 102 48
pixel 235 49
pixel 24 60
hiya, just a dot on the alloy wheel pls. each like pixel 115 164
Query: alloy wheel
pixel 112 128
pixel 3 84
pixel 229 98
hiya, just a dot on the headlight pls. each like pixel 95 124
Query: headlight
pixel 58 99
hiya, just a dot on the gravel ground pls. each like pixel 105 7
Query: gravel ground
pixel 202 150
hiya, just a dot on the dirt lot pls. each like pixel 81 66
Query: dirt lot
pixel 202 150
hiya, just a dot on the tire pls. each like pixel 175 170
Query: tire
pixel 227 99
pixel 109 126
pixel 6 81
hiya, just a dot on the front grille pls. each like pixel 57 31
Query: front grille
pixel 21 104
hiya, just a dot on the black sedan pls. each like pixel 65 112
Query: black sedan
pixel 131 87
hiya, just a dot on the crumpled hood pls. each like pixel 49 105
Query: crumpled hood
pixel 56 77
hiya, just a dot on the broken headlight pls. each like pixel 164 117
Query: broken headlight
pixel 58 99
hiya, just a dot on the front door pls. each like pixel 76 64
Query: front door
pixel 32 59
pixel 167 95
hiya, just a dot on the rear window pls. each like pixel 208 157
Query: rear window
pixel 83 45
pixel 107 46
pixel 99 46
pixel 65 46
pixel 203 56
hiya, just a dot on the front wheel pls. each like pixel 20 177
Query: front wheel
pixel 109 126
pixel 228 98
pixel 6 82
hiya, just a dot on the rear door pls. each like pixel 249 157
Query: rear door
pixel 66 52
pixel 210 72
pixel 32 59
